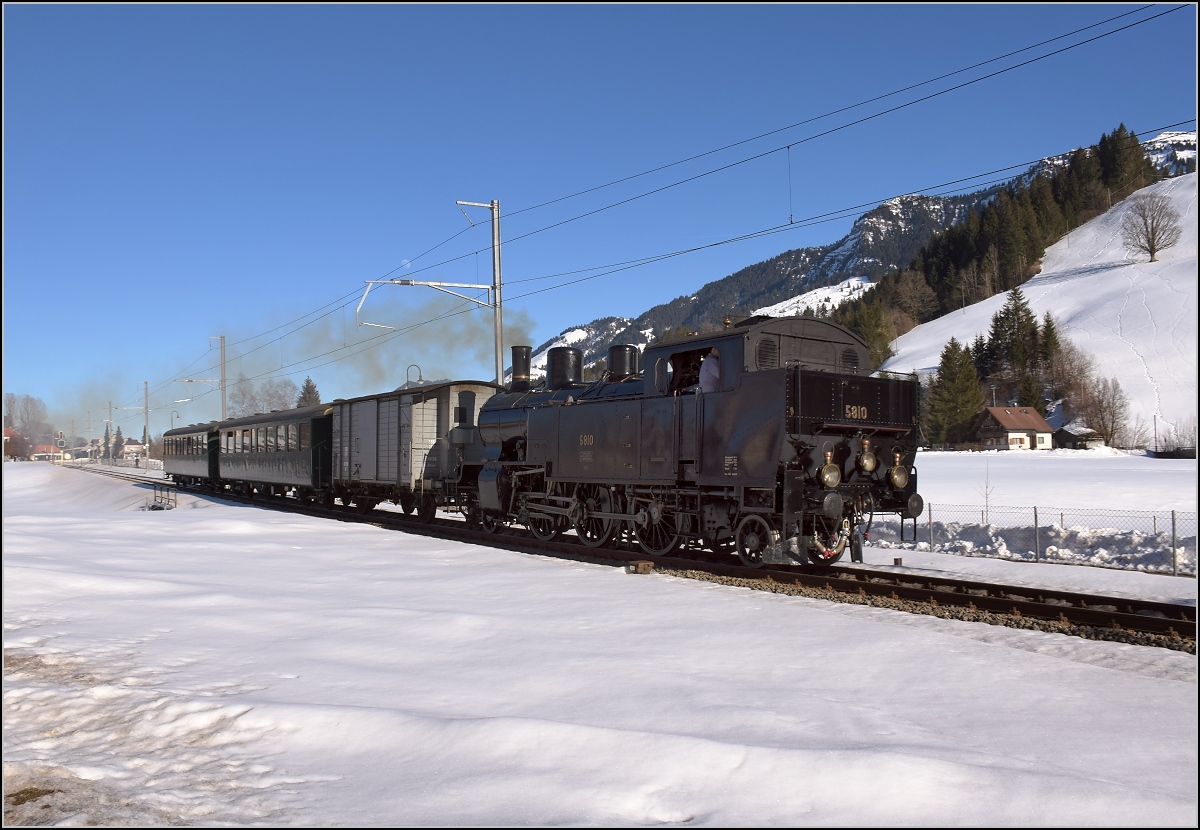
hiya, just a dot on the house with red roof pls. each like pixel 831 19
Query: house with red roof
pixel 1013 428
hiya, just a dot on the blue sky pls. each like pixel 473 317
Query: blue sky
pixel 173 173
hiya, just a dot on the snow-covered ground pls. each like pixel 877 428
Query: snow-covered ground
pixel 221 664
pixel 1136 319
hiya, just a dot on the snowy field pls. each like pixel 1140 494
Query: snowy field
pixel 221 664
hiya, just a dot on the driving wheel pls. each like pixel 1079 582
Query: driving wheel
pixel 657 534
pixel 592 498
pixel 754 536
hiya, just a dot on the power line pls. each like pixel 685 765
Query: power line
pixel 736 163
pixel 840 213
pixel 827 132
pixel 825 115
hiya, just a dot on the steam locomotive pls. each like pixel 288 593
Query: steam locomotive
pixel 779 458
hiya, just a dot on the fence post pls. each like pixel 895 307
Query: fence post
pixel 1174 550
pixel 1037 539
pixel 930 514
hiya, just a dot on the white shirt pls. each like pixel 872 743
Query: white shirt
pixel 710 373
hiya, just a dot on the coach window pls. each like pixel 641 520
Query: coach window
pixel 228 446
pixel 291 428
pixel 268 439
pixel 304 436
pixel 260 439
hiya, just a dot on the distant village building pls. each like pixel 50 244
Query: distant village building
pixel 1013 428
pixel 1075 436
pixel 46 452
pixel 11 435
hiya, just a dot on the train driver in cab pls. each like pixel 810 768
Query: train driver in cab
pixel 710 372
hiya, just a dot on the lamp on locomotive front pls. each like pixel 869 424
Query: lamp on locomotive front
pixel 831 474
pixel 867 462
pixel 898 475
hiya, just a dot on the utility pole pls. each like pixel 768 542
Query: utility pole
pixel 223 415
pixel 146 410
pixel 220 337
pixel 495 303
pixel 112 462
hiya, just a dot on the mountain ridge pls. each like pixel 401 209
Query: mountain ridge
pixel 882 239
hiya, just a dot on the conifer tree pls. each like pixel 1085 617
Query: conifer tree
pixel 1031 396
pixel 981 356
pixel 1048 342
pixel 876 329
pixel 1013 339
pixel 955 398
pixel 309 396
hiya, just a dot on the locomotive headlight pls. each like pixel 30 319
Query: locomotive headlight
pixel 867 462
pixel 898 476
pixel 831 476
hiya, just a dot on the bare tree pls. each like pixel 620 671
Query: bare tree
pixel 10 410
pixel 1068 373
pixel 278 393
pixel 914 296
pixel 31 418
pixel 1106 410
pixel 243 400
pixel 1151 224
pixel 1181 436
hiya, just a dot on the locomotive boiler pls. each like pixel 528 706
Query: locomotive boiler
pixel 780 455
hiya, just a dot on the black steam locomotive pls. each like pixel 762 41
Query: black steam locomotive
pixel 779 456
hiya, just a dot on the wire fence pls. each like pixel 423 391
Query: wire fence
pixel 142 464
pixel 1141 540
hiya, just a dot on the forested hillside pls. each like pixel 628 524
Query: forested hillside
pixel 999 245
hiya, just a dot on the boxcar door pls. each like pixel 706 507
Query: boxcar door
pixel 362 440
pixel 406 438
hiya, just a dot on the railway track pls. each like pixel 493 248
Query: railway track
pixel 1141 622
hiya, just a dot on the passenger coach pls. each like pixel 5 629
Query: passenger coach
pixel 190 455
pixel 277 454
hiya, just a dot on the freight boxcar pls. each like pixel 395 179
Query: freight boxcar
pixel 407 446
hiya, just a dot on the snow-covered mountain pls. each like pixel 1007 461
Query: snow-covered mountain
pixel 1136 319
pixel 1174 153
pixel 1170 152
pixel 819 300
pixel 884 238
